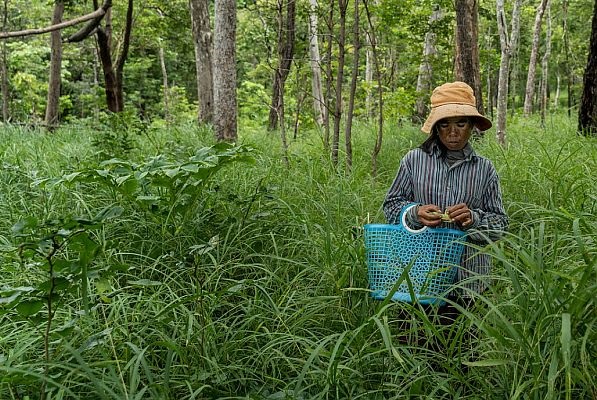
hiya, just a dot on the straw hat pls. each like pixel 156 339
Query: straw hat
pixel 454 100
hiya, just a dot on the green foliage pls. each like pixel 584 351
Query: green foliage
pixel 214 280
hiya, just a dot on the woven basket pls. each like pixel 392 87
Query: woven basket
pixel 431 256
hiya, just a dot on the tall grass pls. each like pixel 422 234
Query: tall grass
pixel 260 291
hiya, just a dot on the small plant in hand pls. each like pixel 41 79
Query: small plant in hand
pixel 444 216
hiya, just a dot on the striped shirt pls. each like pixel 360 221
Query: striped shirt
pixel 428 179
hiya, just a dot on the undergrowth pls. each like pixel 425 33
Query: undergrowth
pixel 250 282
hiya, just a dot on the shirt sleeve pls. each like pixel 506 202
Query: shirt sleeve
pixel 490 221
pixel 400 195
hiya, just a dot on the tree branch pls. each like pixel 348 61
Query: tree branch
pixel 97 14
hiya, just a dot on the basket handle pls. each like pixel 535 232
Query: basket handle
pixel 403 220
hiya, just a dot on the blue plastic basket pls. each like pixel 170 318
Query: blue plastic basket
pixel 433 255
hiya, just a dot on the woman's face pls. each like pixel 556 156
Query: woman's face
pixel 454 132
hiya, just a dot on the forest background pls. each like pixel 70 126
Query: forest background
pixel 154 246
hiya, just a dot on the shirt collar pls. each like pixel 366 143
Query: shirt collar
pixel 469 152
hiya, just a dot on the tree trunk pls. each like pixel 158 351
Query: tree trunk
pixel 587 115
pixel 373 41
pixel 328 77
pixel 316 83
pixel 342 6
pixel 369 78
pixel 508 47
pixel 353 86
pixel 203 59
pixel 104 39
pixel 530 87
pixel 4 69
pixel 424 80
pixel 164 82
pixel 467 47
pixel 122 57
pixel 225 106
pixel 567 55
pixel 285 56
pixel 545 67
pixel 55 79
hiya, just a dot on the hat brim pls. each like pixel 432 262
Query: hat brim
pixel 456 110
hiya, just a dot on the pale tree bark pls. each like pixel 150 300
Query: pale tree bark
pixel 467 66
pixel 315 58
pixel 369 75
pixel 530 87
pixel 55 78
pixel 285 56
pixel 368 78
pixel 4 69
pixel 566 35
pixel 166 89
pixel 342 7
pixel 356 44
pixel 587 115
pixel 373 41
pixel 424 80
pixel 508 44
pixel 556 97
pixel 225 103
pixel 545 67
pixel 165 86
pixel 328 76
pixel 203 42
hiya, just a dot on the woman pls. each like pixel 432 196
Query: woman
pixel 452 186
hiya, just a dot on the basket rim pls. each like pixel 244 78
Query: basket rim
pixel 398 227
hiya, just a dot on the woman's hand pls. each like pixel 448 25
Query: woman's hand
pixel 429 215
pixel 460 214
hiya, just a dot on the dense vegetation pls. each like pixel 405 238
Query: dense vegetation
pixel 145 262
pixel 400 45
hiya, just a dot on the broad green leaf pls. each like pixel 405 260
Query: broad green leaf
pixel 10 295
pixel 28 222
pixel 108 213
pixel 29 307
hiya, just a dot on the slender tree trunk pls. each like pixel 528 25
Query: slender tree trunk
pixel 368 78
pixel 96 84
pixel 556 97
pixel 373 41
pixel 353 85
pixel 467 47
pixel 55 79
pixel 508 47
pixel 203 59
pixel 342 6
pixel 225 104
pixel 328 77
pixel 282 121
pixel 530 87
pixel 424 80
pixel 164 82
pixel 122 57
pixel 4 68
pixel 545 67
pixel 567 55
pixel 285 56
pixel 104 39
pixel 316 82
pixel 587 115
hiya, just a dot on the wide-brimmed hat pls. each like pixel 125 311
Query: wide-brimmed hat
pixel 454 99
